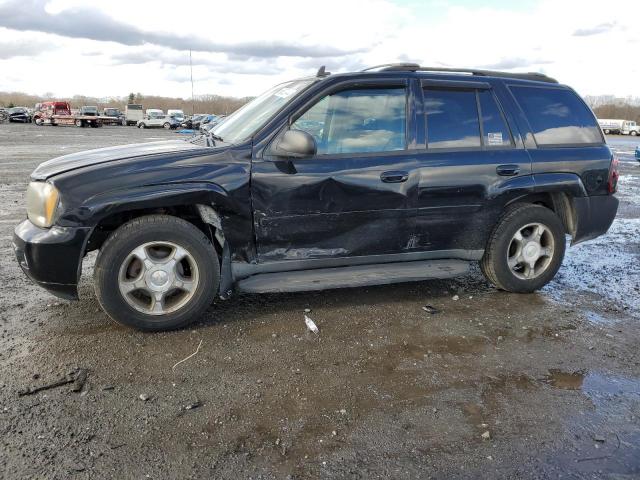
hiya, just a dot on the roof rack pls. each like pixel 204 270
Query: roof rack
pixel 414 67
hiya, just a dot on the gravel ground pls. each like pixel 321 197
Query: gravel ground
pixel 495 385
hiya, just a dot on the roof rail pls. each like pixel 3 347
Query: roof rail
pixel 410 67
pixel 413 67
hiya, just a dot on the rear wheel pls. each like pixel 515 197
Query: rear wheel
pixel 156 272
pixel 79 123
pixel 167 125
pixel 525 249
pixel 142 125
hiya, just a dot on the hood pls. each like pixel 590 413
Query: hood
pixel 110 154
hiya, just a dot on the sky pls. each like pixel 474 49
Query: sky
pixel 241 48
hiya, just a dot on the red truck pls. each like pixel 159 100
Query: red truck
pixel 59 113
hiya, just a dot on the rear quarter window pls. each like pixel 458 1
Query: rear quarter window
pixel 557 116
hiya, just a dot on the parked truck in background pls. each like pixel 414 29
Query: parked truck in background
pixel 133 113
pixel 59 113
pixel 114 116
pixel 618 126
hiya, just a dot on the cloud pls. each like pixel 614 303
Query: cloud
pixel 92 24
pixel 598 29
pixel 22 48
pixel 514 62
pixel 172 58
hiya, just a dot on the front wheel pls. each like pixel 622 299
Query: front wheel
pixel 142 125
pixel 633 133
pixel 79 123
pixel 156 272
pixel 525 249
pixel 167 125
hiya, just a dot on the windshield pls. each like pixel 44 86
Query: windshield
pixel 246 121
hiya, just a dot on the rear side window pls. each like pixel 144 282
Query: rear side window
pixel 458 118
pixel 557 116
pixel 494 127
pixel 452 118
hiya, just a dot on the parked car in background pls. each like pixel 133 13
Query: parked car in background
pixel 133 113
pixel 156 118
pixel 191 121
pixel 115 114
pixel 198 121
pixel 416 173
pixel 89 111
pixel 177 114
pixel 207 127
pixel 619 126
pixel 18 115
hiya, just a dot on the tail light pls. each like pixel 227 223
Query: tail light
pixel 612 184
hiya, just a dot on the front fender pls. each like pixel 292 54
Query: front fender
pixel 234 209
pixel 96 208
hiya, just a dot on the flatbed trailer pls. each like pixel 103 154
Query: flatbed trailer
pixel 80 120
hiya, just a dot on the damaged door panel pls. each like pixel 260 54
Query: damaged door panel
pixel 353 196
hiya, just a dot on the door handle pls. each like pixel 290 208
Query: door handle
pixel 508 170
pixel 394 176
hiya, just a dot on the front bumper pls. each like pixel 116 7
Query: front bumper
pixel 594 216
pixel 51 257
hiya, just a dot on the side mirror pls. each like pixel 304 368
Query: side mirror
pixel 294 143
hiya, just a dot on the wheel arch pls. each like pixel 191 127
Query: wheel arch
pixel 200 204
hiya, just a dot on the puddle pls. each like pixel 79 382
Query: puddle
pixel 565 380
pixel 606 438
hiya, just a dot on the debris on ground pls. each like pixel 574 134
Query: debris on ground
pixel 80 380
pixel 311 325
pixel 456 297
pixel 144 397
pixel 192 405
pixel 187 358
pixel 78 377
pixel 430 309
pixel 486 435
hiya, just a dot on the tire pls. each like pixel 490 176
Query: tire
pixel 38 121
pixel 113 275
pixel 633 133
pixel 503 247
pixel 142 125
pixel 79 123
pixel 607 131
pixel 166 126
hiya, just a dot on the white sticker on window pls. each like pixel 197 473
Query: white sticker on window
pixel 285 92
pixel 495 138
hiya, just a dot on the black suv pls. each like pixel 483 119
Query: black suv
pixel 394 174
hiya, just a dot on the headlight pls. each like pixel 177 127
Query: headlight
pixel 42 200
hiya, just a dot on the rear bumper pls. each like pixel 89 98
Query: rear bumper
pixel 51 257
pixel 594 216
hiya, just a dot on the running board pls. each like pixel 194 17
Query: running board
pixel 354 276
